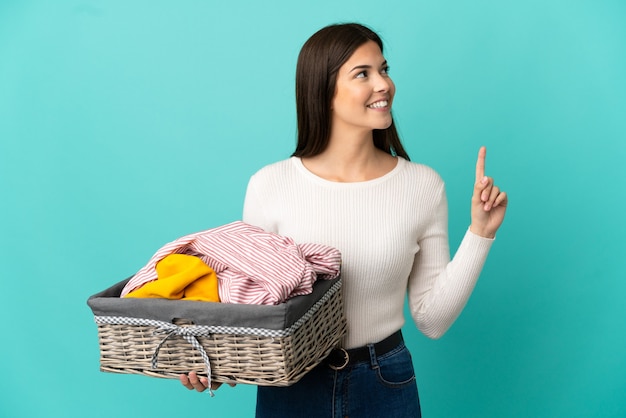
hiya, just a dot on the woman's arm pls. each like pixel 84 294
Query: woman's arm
pixel 439 288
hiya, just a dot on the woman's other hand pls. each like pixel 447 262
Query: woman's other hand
pixel 193 381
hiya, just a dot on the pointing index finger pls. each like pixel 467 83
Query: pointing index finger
pixel 480 164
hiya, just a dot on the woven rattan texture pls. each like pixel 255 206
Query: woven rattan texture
pixel 249 359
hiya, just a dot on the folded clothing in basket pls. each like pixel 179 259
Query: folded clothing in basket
pixel 253 266
pixel 181 276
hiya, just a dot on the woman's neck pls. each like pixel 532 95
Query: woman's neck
pixel 350 160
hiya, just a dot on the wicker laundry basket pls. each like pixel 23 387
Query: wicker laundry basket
pixel 232 343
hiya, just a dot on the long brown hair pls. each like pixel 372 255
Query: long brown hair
pixel 319 61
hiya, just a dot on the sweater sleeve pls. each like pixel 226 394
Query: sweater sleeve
pixel 439 288
pixel 254 213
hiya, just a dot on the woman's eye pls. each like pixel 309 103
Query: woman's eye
pixel 385 70
pixel 362 74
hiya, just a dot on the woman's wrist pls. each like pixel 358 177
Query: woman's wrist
pixel 482 232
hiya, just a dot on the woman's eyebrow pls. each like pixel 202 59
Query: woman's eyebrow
pixel 366 66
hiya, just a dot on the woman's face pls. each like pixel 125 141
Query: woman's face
pixel 364 92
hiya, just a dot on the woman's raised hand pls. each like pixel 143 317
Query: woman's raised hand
pixel 488 201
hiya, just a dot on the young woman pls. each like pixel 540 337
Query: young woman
pixel 350 184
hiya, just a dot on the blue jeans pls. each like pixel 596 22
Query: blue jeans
pixel 384 386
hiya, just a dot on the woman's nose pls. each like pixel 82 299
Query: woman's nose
pixel 383 83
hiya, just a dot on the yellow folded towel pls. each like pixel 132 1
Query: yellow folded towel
pixel 181 276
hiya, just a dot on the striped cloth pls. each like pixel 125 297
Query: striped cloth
pixel 253 266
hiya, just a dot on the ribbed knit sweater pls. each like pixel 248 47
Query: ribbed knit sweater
pixel 392 232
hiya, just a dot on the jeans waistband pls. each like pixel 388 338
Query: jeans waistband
pixel 340 358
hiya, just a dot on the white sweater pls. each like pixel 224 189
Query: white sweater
pixel 393 236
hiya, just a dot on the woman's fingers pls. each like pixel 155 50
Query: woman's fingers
pixel 192 381
pixel 501 200
pixel 184 379
pixel 483 191
pixel 199 383
pixel 484 187
pixel 493 195
pixel 488 194
pixel 480 164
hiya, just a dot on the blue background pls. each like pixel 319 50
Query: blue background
pixel 126 124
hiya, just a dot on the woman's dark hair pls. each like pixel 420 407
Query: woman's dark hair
pixel 319 61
